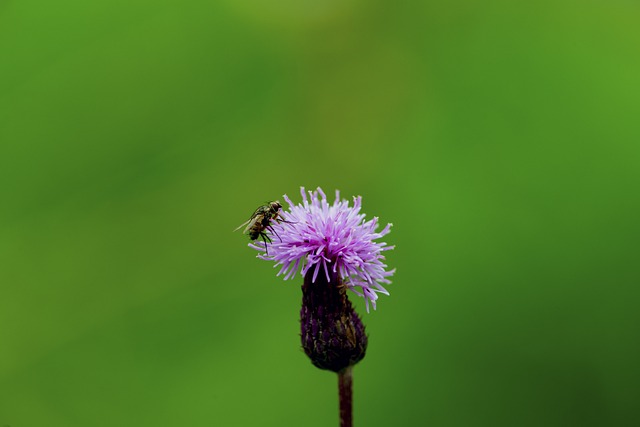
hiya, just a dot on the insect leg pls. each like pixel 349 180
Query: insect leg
pixel 274 232
pixel 279 218
pixel 264 239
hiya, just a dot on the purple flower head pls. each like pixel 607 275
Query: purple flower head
pixel 334 240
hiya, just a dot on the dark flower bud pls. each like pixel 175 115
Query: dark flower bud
pixel 332 334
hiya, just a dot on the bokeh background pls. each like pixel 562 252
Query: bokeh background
pixel 500 138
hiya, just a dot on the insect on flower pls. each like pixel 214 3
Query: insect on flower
pixel 260 221
pixel 333 240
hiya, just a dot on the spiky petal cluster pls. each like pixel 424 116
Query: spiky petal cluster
pixel 333 238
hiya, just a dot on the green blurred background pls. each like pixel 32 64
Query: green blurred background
pixel 501 139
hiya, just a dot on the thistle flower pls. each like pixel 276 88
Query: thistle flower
pixel 334 249
pixel 332 240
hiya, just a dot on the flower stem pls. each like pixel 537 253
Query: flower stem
pixel 345 390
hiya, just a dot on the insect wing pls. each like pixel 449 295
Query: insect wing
pixel 251 224
pixel 243 224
